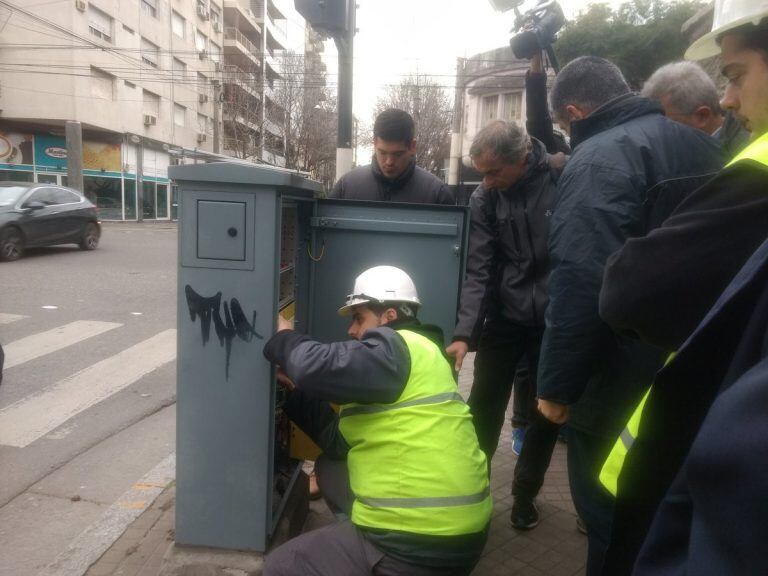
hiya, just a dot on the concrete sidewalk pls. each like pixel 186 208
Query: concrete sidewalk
pixel 554 548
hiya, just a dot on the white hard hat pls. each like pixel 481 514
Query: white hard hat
pixel 729 14
pixel 381 284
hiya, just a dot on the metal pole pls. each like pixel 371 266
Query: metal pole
pixel 344 45
pixel 216 117
pixel 140 180
pixel 74 136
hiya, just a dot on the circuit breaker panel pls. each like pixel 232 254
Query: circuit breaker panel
pixel 255 242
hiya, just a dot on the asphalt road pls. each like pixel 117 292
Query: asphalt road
pixel 87 404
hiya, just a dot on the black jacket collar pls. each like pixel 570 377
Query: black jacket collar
pixel 613 113
pixel 398 181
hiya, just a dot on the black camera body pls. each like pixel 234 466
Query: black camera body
pixel 536 29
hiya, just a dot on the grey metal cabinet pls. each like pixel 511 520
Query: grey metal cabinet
pixel 254 241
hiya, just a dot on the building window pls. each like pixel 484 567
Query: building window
pixel 178 24
pixel 510 106
pixel 202 124
pixel 150 53
pixel 179 70
pixel 215 51
pixel 179 115
pixel 151 103
pixel 489 109
pixel 99 24
pixel 102 84
pixel 149 7
pixel 201 41
pixel 215 14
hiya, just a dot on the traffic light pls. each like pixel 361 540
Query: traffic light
pixel 331 16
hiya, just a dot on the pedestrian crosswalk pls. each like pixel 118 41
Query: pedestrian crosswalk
pixel 53 404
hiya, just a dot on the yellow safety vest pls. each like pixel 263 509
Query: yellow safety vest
pixel 415 465
pixel 609 475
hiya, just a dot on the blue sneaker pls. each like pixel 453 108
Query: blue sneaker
pixel 518 437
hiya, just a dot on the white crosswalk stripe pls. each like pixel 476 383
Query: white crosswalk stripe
pixel 37 345
pixel 8 318
pixel 30 418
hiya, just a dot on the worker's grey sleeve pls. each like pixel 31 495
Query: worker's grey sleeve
pixel 480 261
pixel 374 369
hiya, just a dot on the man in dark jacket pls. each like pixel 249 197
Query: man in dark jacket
pixel 713 396
pixel 403 453
pixel 624 149
pixel 504 295
pixel 393 175
pixel 660 287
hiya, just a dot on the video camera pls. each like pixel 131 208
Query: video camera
pixel 536 29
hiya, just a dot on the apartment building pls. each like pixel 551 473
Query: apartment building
pixel 145 79
pixel 255 37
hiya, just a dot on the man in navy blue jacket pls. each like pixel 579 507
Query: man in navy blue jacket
pixel 624 149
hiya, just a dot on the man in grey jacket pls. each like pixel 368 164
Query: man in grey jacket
pixel 504 296
pixel 393 175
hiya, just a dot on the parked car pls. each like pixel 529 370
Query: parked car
pixel 34 214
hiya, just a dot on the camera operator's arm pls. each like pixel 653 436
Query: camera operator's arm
pixel 538 122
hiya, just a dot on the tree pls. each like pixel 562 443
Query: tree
pixel 639 36
pixel 241 111
pixel 309 118
pixel 432 111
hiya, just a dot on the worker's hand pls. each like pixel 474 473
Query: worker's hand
pixel 554 412
pixel 283 324
pixel 284 381
pixel 457 350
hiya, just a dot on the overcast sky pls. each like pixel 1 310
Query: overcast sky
pixel 397 38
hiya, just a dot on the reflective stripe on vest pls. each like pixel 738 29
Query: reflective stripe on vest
pixel 609 475
pixel 415 464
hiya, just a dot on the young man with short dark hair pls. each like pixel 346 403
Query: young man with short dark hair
pixel 393 175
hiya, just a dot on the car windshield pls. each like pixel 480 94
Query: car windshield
pixel 10 194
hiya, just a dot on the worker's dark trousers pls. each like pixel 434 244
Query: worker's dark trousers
pixel 593 503
pixel 502 345
pixel 339 549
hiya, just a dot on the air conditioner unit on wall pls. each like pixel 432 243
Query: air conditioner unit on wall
pixel 202 11
pixel 202 54
pixel 150 120
pixel 217 26
pixel 201 137
pixel 202 98
pixel 81 5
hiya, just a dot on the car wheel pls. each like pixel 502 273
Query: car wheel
pixel 11 244
pixel 90 237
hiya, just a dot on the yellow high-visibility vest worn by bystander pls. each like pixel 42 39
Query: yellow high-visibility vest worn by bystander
pixel 415 464
pixel 609 475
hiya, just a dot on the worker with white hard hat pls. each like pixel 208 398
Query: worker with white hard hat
pixel 401 464
pixel 692 498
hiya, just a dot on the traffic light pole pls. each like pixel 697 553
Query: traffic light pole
pixel 344 47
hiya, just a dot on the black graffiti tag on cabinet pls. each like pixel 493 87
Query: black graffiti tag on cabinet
pixel 234 324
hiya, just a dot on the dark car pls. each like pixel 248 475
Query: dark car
pixel 43 215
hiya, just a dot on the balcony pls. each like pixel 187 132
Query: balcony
pixel 271 61
pixel 239 16
pixel 233 38
pixel 248 81
pixel 277 33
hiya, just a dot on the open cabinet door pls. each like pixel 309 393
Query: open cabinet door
pixel 348 237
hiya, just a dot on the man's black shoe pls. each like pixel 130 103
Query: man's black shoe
pixel 524 515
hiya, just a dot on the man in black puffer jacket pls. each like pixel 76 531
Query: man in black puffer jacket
pixel 504 295
pixel 630 168
pixel 393 175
